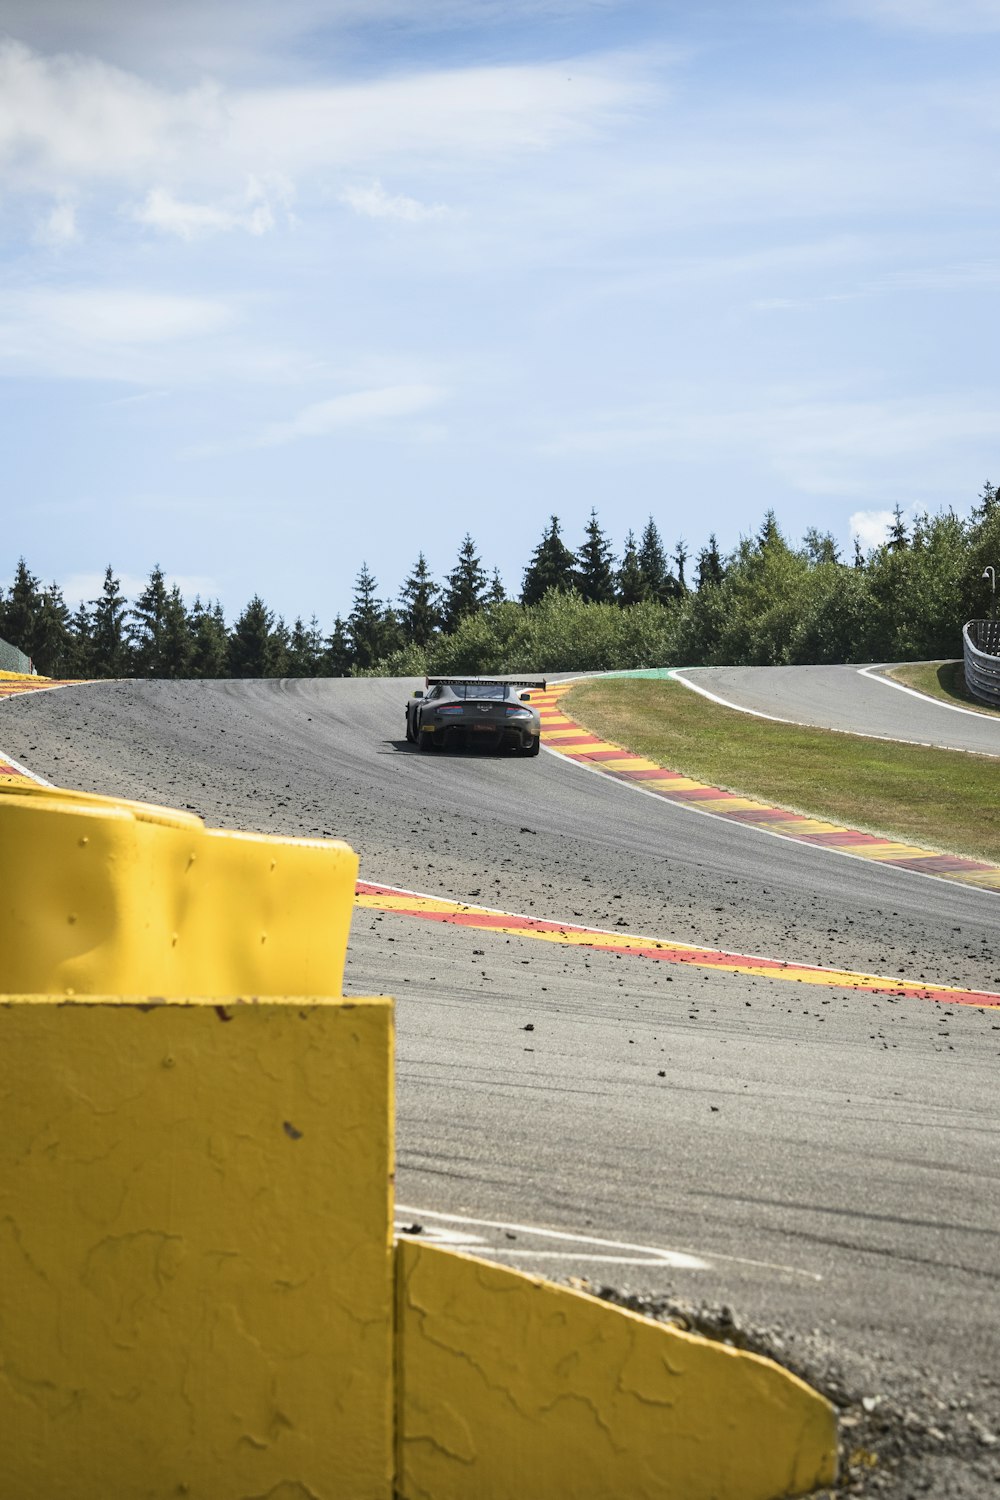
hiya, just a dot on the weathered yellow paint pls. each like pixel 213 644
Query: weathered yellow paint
pixel 195 1249
pixel 509 1386
pixel 122 898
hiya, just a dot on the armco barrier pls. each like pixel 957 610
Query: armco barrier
pixel 195 1215
pixel 981 649
pixel 510 1388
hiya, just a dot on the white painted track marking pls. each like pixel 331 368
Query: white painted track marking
pixel 23 770
pixel 642 1255
pixel 876 674
pixel 676 675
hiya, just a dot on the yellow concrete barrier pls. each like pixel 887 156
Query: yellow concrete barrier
pixel 104 897
pixel 195 1220
pixel 195 1250
pixel 508 1386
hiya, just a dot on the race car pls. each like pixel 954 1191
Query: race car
pixel 492 711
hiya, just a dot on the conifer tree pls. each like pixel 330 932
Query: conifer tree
pixel 148 618
pixel 420 616
pixel 595 577
pixel 710 569
pixel 336 660
pixel 110 653
pixel 80 654
pixel 496 593
pixel 176 638
pixel 365 630
pixel 281 645
pixel 631 584
pixel 681 555
pixel 552 566
pixel 52 640
pixel 652 562
pixel 302 657
pixel 251 650
pixel 465 589
pixel 21 610
pixel 897 539
pixel 209 639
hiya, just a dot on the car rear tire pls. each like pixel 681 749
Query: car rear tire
pixel 410 736
pixel 534 747
pixel 426 739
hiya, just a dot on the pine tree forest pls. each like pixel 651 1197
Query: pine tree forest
pixel 768 602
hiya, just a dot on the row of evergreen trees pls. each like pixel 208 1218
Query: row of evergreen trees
pixel 767 602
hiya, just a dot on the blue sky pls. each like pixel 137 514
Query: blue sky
pixel 291 286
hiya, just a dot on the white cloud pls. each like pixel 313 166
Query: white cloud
pixel 59 225
pixel 871 527
pixel 70 119
pixel 352 410
pixel 188 221
pixel 374 202
pixel 67 119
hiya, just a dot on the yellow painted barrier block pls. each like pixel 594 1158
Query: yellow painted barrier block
pixel 510 1386
pixel 195 1249
pixel 106 897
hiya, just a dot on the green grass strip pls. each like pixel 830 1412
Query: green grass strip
pixel 939 799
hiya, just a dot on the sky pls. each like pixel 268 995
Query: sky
pixel 292 285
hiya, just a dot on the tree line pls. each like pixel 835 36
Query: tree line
pixel 767 602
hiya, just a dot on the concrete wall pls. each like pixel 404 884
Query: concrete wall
pixel 195 1221
pixel 195 1250
pixel 511 1388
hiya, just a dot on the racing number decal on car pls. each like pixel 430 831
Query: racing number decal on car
pixel 493 711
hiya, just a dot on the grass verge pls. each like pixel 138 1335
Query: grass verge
pixel 941 799
pixel 941 679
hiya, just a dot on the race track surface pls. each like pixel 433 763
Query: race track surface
pixel 827 1161
pixel 849 699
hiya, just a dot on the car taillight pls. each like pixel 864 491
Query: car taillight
pixel 453 708
pixel 519 713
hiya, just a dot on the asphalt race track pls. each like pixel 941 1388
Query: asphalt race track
pixel 824 1162
pixel 851 699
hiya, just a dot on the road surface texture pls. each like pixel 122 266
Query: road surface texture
pixel 812 1169
pixel 847 698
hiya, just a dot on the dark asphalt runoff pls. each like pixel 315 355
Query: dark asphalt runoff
pixel 830 1161
pixel 852 699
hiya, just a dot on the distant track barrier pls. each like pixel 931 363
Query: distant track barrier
pixel 201 1294
pixel 13 660
pixel 981 646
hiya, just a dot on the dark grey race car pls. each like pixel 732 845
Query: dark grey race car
pixel 493 711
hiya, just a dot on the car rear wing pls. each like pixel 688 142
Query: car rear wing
pixel 522 682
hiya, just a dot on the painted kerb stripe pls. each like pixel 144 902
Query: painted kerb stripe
pixel 564 736
pixel 384 898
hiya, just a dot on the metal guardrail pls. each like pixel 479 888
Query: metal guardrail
pixel 981 643
pixel 13 660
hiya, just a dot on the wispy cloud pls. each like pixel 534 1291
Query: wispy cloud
pixel 70 119
pixel 189 221
pixel 58 227
pixel 956 16
pixel 356 409
pixel 100 333
pixel 373 202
